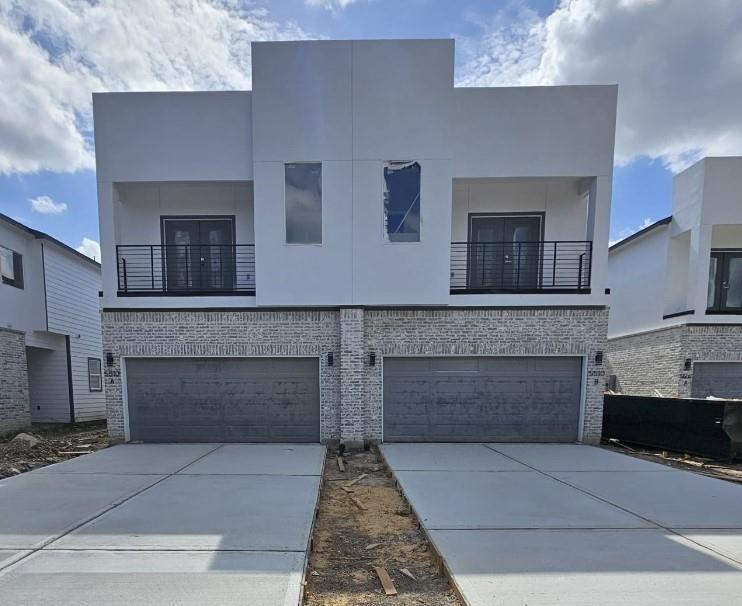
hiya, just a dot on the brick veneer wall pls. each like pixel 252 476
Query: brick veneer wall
pixel 487 332
pixel 656 359
pixel 351 389
pixel 647 362
pixel 15 407
pixel 223 333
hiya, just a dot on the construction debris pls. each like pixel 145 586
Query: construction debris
pixel 408 574
pixel 341 464
pixel 386 581
pixel 358 504
pixel 372 546
pixel 354 482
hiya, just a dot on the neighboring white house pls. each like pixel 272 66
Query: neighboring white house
pixel 676 291
pixel 355 250
pixel 50 332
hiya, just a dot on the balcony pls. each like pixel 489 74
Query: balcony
pixel 559 267
pixel 186 269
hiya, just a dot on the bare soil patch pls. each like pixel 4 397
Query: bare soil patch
pixel 723 470
pixel 56 443
pixel 349 541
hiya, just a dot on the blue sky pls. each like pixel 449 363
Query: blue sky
pixel 678 101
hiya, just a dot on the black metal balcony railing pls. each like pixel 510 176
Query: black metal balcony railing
pixel 521 267
pixel 186 269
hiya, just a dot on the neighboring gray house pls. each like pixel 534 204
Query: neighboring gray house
pixel 355 250
pixel 50 334
pixel 676 303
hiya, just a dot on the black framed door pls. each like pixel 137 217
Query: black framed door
pixel 504 252
pixel 199 254
pixel 725 282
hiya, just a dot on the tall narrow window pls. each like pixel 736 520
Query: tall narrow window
pixel 303 183
pixel 11 267
pixel 402 201
pixel 95 375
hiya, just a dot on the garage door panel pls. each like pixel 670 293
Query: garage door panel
pixel 719 379
pixel 223 399
pixel 535 399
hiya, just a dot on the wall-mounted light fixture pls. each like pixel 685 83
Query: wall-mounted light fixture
pixel 109 358
pixel 598 358
pixel 688 364
pixel 330 359
pixel 372 359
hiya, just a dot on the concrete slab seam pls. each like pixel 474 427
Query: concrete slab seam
pixel 4 569
pixel 624 509
pixel 445 567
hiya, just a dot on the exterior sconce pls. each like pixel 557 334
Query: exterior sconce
pixel 109 359
pixel 372 359
pixel 688 364
pixel 330 359
pixel 598 358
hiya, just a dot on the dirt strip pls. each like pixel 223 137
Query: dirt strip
pixel 368 527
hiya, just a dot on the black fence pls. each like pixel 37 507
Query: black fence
pixel 186 269
pixel 522 267
pixel 711 428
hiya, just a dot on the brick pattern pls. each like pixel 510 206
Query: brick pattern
pixel 352 392
pixel 656 359
pixel 647 362
pixel 223 333
pixel 488 332
pixel 15 406
pixel 351 389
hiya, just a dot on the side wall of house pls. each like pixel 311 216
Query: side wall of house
pixel 72 287
pixel 647 361
pixel 14 403
pixel 656 359
pixel 351 389
pixel 48 382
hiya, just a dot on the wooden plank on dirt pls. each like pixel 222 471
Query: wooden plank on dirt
pixel 358 504
pixel 358 479
pixel 386 581
pixel 341 464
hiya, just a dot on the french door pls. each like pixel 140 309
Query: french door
pixel 504 252
pixel 199 254
pixel 725 282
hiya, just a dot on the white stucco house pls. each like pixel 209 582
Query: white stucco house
pixel 676 291
pixel 50 331
pixel 353 250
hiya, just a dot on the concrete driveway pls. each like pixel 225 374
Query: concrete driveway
pixel 535 524
pixel 161 524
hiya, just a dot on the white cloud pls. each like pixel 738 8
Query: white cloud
pixel 330 5
pixel 89 247
pixel 46 206
pixel 45 97
pixel 630 231
pixel 678 64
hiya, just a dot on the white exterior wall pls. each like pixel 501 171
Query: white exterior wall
pixel 707 213
pixel 353 105
pixel 48 383
pixel 23 309
pixel 73 309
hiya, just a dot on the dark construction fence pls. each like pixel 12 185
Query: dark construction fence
pixel 711 428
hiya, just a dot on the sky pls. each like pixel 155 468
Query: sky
pixel 678 64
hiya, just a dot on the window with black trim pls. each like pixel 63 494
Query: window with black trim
pixel 402 201
pixel 11 267
pixel 95 374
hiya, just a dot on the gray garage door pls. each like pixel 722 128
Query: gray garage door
pixel 223 399
pixel 500 399
pixel 720 379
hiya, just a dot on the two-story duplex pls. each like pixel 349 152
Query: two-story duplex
pixel 675 323
pixel 355 250
pixel 50 333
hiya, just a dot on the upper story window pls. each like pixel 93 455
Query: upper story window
pixel 303 186
pixel 402 201
pixel 11 267
pixel 725 282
